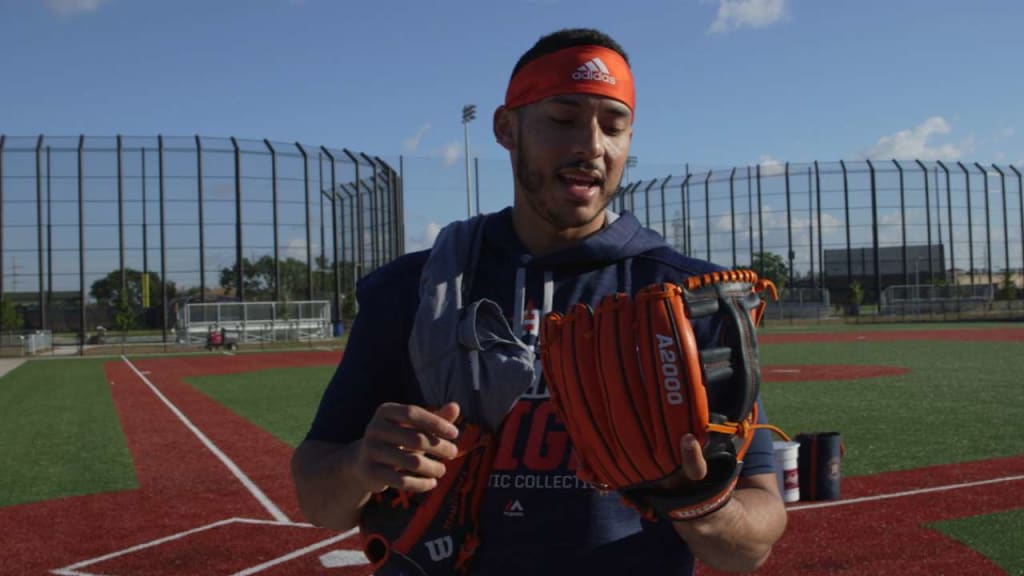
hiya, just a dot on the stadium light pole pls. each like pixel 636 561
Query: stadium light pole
pixel 468 115
pixel 630 163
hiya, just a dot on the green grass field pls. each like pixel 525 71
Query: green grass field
pixel 828 327
pixel 281 401
pixel 59 434
pixel 946 409
pixel 997 536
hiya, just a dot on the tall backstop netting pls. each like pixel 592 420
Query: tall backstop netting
pixel 839 229
pixel 127 232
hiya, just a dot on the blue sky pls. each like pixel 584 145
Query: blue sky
pixel 720 82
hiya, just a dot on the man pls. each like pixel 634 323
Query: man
pixel 567 124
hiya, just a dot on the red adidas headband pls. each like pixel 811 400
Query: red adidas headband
pixel 576 70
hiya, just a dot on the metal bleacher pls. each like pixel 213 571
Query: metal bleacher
pixel 255 322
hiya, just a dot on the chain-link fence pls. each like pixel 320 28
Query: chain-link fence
pixel 832 225
pixel 121 232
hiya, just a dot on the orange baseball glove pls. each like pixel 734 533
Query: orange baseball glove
pixel 629 381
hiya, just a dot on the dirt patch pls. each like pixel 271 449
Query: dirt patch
pixel 827 372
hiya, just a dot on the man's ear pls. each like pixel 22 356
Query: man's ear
pixel 504 128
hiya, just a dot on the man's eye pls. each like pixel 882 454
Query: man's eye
pixel 561 121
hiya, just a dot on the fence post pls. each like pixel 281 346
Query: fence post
pixel 273 195
pixel 39 231
pixel 239 258
pixel 789 226
pixel 846 202
pixel 732 213
pixel 707 214
pixel 949 222
pixel 928 221
pixel 988 225
pixel 163 239
pixel 970 221
pixel 664 209
pixel 1006 222
pixel 81 245
pixel 821 243
pixel 336 316
pixel 1020 204
pixel 3 139
pixel 202 225
pixel 309 223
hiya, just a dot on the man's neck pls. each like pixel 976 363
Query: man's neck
pixel 551 239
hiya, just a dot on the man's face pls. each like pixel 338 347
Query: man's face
pixel 569 155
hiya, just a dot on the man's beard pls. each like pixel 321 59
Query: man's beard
pixel 532 181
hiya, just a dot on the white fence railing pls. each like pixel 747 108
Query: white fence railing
pixel 928 298
pixel 255 322
pixel 29 344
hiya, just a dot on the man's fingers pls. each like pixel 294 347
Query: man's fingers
pixel 449 411
pixel 409 462
pixel 421 419
pixel 412 441
pixel 693 463
pixel 390 478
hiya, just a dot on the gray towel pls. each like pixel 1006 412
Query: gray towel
pixel 465 354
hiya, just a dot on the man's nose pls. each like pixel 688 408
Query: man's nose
pixel 589 140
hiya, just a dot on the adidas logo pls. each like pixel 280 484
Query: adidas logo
pixel 515 509
pixel 594 69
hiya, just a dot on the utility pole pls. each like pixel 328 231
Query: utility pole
pixel 468 115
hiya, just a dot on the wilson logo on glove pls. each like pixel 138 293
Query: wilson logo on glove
pixel 629 380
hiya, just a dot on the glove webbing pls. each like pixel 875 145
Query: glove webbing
pixel 744 276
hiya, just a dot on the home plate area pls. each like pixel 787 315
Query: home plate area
pixel 235 546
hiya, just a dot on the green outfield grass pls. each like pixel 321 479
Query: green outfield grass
pixel 60 434
pixel 831 326
pixel 281 401
pixel 988 535
pixel 952 406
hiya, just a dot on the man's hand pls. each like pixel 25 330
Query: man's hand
pixel 404 446
pixel 693 464
pixel 739 536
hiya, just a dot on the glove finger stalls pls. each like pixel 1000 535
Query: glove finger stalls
pixel 590 414
pixel 552 361
pixel 620 375
pixel 558 369
pixel 647 303
pixel 672 369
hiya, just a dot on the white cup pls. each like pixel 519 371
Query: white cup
pixel 786 471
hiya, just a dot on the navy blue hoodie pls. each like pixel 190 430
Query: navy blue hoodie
pixel 537 518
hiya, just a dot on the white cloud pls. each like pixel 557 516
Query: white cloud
pixel 770 166
pixel 431 232
pixel 425 239
pixel 451 154
pixel 412 143
pixel 64 8
pixel 916 143
pixel 296 248
pixel 736 14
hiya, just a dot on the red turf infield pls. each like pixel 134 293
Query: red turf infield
pixel 183 486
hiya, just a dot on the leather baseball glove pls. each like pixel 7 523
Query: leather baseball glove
pixel 629 381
